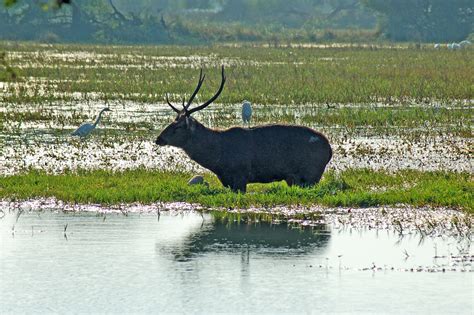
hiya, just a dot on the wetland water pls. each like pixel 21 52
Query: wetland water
pixel 185 262
pixel 125 138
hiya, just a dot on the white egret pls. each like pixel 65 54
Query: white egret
pixel 85 129
pixel 246 112
pixel 464 43
pixel 437 46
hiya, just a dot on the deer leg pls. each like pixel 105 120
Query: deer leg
pixel 308 182
pixel 302 182
pixel 235 183
pixel 226 181
pixel 295 179
pixel 290 180
pixel 316 177
pixel 309 179
pixel 239 184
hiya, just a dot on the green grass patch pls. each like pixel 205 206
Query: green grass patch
pixel 280 75
pixel 351 188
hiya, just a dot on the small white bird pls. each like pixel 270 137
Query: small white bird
pixel 246 112
pixel 464 43
pixel 85 129
pixel 437 46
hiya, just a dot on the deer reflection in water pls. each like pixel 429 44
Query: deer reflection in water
pixel 261 238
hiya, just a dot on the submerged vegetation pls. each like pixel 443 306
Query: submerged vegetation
pixel 357 188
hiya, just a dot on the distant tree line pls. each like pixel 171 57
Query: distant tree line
pixel 424 20
pixel 182 21
pixel 84 20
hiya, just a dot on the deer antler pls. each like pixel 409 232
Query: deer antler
pixel 189 112
pixel 171 105
pixel 198 87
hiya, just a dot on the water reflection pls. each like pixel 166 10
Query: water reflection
pixel 185 263
pixel 260 238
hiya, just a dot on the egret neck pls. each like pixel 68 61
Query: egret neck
pixel 99 116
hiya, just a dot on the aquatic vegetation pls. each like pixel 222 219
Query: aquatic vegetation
pixel 358 188
pixel 7 73
pixel 297 75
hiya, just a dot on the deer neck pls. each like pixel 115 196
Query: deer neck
pixel 204 147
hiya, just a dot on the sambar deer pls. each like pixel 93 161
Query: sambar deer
pixel 239 156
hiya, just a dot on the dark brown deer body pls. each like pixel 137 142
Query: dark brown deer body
pixel 263 154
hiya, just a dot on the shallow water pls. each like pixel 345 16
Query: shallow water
pixel 38 137
pixel 56 152
pixel 183 262
pixel 125 140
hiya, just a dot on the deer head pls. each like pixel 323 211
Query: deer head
pixel 183 127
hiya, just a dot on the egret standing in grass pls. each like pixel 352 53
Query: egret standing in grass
pixel 464 43
pixel 246 112
pixel 85 129
pixel 454 46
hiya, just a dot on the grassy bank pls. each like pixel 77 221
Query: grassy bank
pixel 357 188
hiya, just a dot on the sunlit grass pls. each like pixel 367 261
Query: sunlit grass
pixel 263 75
pixel 427 89
pixel 358 188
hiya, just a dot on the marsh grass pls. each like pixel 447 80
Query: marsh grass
pixel 357 188
pixel 395 120
pixel 394 90
pixel 283 75
pixel 230 218
pixel 7 73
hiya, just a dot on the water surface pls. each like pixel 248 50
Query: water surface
pixel 185 262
